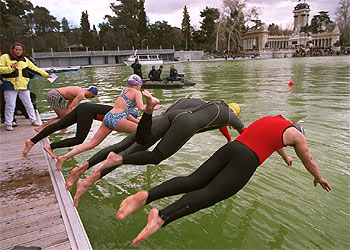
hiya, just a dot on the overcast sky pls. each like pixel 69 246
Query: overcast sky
pixel 272 11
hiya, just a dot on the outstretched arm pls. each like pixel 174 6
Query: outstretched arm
pixel 288 160
pixel 293 137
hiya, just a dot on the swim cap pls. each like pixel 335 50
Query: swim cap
pixel 134 80
pixel 235 107
pixel 94 90
pixel 299 127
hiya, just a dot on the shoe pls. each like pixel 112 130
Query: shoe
pixel 35 123
pixel 9 128
pixel 14 124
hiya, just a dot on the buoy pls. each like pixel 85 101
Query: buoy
pixel 116 72
pixel 291 83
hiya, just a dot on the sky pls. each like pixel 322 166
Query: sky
pixel 272 11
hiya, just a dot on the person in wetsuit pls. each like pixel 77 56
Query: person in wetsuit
pixel 173 74
pixel 118 118
pixel 225 173
pixel 137 68
pixel 168 128
pixel 83 115
pixel 151 74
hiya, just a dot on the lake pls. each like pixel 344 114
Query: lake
pixel 279 208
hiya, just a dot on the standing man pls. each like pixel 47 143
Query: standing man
pixel 65 99
pixel 137 68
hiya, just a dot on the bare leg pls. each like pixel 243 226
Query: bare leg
pixel 48 149
pixel 75 174
pixel 153 225
pixel 132 203
pixel 28 145
pixel 151 102
pixel 100 135
pixel 84 184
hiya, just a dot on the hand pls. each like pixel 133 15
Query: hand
pixel 288 161
pixel 14 66
pixel 324 184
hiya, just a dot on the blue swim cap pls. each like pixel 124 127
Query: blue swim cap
pixel 134 80
pixel 94 90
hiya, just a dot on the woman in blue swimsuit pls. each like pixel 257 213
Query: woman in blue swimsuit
pixel 117 118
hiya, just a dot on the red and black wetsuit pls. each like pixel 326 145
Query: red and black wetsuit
pixel 224 173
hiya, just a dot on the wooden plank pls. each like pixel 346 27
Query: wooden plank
pixel 35 207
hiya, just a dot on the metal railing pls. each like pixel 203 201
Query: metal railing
pixel 51 54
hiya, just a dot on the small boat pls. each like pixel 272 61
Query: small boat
pixel 59 70
pixel 166 84
pixel 143 59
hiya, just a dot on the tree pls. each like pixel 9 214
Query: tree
pixel 232 22
pixel 186 27
pixel 274 30
pixel 65 25
pixel 125 23
pixel 343 21
pixel 85 29
pixel 207 33
pixel 142 22
pixel 320 22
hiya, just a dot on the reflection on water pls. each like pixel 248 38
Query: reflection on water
pixel 279 208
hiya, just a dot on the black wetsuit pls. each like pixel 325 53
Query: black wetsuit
pixel 173 129
pixel 151 74
pixel 137 69
pixel 83 115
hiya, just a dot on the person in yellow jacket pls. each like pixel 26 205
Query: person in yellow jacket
pixel 16 71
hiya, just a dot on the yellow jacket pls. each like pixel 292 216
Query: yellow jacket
pixel 18 79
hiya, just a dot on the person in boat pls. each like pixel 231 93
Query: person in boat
pixel 158 73
pixel 151 74
pixel 137 68
pixel 173 74
pixel 224 174
pixel 63 100
pixel 83 115
pixel 116 119
pixel 198 117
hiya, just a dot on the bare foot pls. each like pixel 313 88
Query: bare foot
pixel 152 101
pixel 72 178
pixel 48 149
pixel 59 163
pixel 28 145
pixel 153 225
pixel 81 189
pixel 132 203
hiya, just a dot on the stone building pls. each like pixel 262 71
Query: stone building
pixel 258 41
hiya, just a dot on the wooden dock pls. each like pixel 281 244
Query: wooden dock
pixel 36 210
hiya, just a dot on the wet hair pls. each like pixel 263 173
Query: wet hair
pixel 299 127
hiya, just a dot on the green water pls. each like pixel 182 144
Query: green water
pixel 279 208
